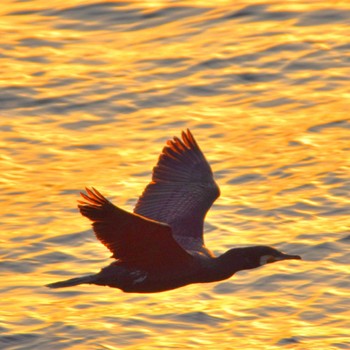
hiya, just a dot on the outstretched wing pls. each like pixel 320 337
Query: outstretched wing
pixel 181 191
pixel 130 237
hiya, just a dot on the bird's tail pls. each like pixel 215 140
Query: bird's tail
pixel 72 282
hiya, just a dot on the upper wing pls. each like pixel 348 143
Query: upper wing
pixel 131 237
pixel 181 191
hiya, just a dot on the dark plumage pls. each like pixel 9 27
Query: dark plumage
pixel 160 246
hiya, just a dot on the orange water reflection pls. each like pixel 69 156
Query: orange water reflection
pixel 89 96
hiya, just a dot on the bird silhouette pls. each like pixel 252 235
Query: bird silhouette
pixel 160 245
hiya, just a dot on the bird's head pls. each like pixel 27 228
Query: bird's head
pixel 266 255
pixel 246 258
pixel 260 255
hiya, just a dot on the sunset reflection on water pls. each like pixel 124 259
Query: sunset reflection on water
pixel 90 92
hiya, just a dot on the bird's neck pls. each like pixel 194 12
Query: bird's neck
pixel 232 261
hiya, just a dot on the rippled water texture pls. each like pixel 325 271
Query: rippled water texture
pixel 90 91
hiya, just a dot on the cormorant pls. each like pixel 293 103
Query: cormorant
pixel 160 245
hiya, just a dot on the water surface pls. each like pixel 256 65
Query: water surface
pixel 90 91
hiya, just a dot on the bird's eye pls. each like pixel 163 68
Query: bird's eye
pixel 266 259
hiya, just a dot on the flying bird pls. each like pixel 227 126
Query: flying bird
pixel 160 245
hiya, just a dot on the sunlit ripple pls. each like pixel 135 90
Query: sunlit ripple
pixel 90 91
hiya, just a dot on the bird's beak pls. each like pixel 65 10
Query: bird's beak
pixel 287 257
pixel 267 259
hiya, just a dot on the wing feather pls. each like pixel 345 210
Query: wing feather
pixel 181 191
pixel 130 237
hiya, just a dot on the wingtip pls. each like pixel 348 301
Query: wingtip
pixel 91 197
pixel 83 194
pixel 186 133
pixel 88 191
pixel 189 139
pixel 98 193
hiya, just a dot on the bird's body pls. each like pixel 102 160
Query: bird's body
pixel 160 246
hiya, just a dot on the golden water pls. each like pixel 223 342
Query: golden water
pixel 90 91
